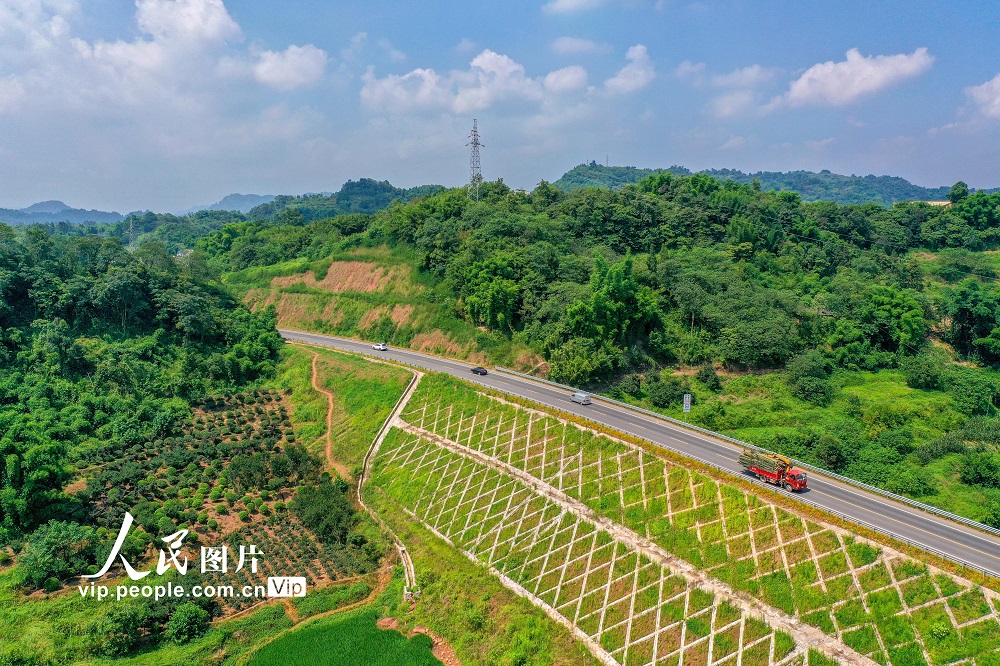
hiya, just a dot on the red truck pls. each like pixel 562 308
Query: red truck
pixel 772 468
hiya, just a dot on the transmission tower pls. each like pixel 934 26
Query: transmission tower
pixel 475 175
pixel 131 232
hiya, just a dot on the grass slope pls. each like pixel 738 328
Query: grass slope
pixel 487 624
pixel 877 600
pixel 364 393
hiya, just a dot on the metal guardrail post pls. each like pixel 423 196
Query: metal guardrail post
pixel 833 475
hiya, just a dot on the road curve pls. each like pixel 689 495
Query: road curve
pixel 957 542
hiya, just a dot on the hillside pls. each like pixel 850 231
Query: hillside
pixel 811 186
pixel 48 212
pixel 768 309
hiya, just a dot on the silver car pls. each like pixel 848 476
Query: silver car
pixel 580 397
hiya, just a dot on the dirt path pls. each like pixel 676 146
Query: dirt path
pixel 338 466
pixel 440 648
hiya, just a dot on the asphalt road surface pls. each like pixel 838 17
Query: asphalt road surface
pixel 936 533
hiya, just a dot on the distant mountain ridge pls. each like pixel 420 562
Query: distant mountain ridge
pixel 365 195
pixel 241 202
pixel 46 212
pixel 810 185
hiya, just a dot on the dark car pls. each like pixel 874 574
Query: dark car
pixel 479 371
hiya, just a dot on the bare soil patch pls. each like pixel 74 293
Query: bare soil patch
pixel 359 276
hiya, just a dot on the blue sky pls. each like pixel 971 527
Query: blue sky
pixel 165 104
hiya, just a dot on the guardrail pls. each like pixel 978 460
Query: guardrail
pixel 853 482
pixel 752 479
pixel 733 440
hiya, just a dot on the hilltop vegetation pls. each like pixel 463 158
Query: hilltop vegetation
pixel 811 186
pixel 613 289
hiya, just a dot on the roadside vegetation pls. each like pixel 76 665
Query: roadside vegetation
pixel 868 327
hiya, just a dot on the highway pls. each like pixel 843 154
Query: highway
pixel 950 539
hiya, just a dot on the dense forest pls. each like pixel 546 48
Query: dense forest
pixel 811 186
pixel 98 344
pixel 105 354
pixel 615 288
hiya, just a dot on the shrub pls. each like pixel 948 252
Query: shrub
pixel 922 371
pixel 56 549
pixel 981 469
pixel 708 377
pixel 972 390
pixel 809 377
pixel 118 632
pixel 51 584
pixel 667 393
pixel 187 622
pixel 630 384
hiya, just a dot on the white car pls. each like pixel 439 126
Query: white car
pixel 380 346
pixel 582 398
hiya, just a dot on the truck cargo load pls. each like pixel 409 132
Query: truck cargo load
pixel 773 468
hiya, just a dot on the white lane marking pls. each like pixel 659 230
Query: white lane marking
pixel 351 345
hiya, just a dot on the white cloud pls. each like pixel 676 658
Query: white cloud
pixel 420 88
pixel 734 143
pixel 354 47
pixel 636 75
pixel 11 92
pixel 840 83
pixel 295 67
pixel 491 78
pixel 688 69
pixel 818 144
pixel 578 46
pixel 395 55
pixel 186 20
pixel 744 77
pixel 138 108
pixel 466 45
pixel 732 103
pixel 566 79
pixel 986 96
pixel 571 6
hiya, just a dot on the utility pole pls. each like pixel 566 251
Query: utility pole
pixel 475 175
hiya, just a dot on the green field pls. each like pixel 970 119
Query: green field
pixel 347 640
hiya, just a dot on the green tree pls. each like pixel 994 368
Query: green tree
pixel 186 623
pixel 57 549
pixel 958 192
pixel 922 371
pixel 118 632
